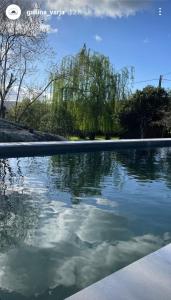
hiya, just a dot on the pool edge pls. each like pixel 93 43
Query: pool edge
pixel 44 148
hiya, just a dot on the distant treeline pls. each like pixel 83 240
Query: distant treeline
pixel 90 98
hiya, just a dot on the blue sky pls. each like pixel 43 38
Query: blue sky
pixel 139 37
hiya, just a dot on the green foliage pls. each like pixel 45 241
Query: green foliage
pixel 37 116
pixel 91 99
pixel 62 120
pixel 85 99
pixel 143 113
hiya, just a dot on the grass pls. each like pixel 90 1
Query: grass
pixel 74 138
pixel 98 138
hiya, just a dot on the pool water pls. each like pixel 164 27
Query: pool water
pixel 69 220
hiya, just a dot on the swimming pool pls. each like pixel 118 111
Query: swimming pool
pixel 69 220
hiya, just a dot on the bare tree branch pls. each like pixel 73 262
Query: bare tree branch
pixel 21 41
pixel 57 77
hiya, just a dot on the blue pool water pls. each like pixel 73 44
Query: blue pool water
pixel 69 220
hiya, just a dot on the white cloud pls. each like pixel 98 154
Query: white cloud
pixel 75 245
pixel 109 8
pixel 106 202
pixel 98 38
pixel 47 28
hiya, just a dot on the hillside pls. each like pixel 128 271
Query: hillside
pixel 13 132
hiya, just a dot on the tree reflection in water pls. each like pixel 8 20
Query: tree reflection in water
pixel 147 164
pixel 18 212
pixel 50 248
pixel 83 174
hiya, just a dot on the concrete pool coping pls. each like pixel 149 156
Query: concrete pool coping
pixel 47 148
pixel 147 279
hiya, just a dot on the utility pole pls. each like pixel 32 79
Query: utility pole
pixel 160 81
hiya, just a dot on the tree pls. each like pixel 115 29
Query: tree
pixel 36 115
pixel 20 43
pixel 142 114
pixel 89 93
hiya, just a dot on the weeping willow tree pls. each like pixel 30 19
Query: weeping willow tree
pixel 86 96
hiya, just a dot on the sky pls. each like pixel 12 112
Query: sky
pixel 130 33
